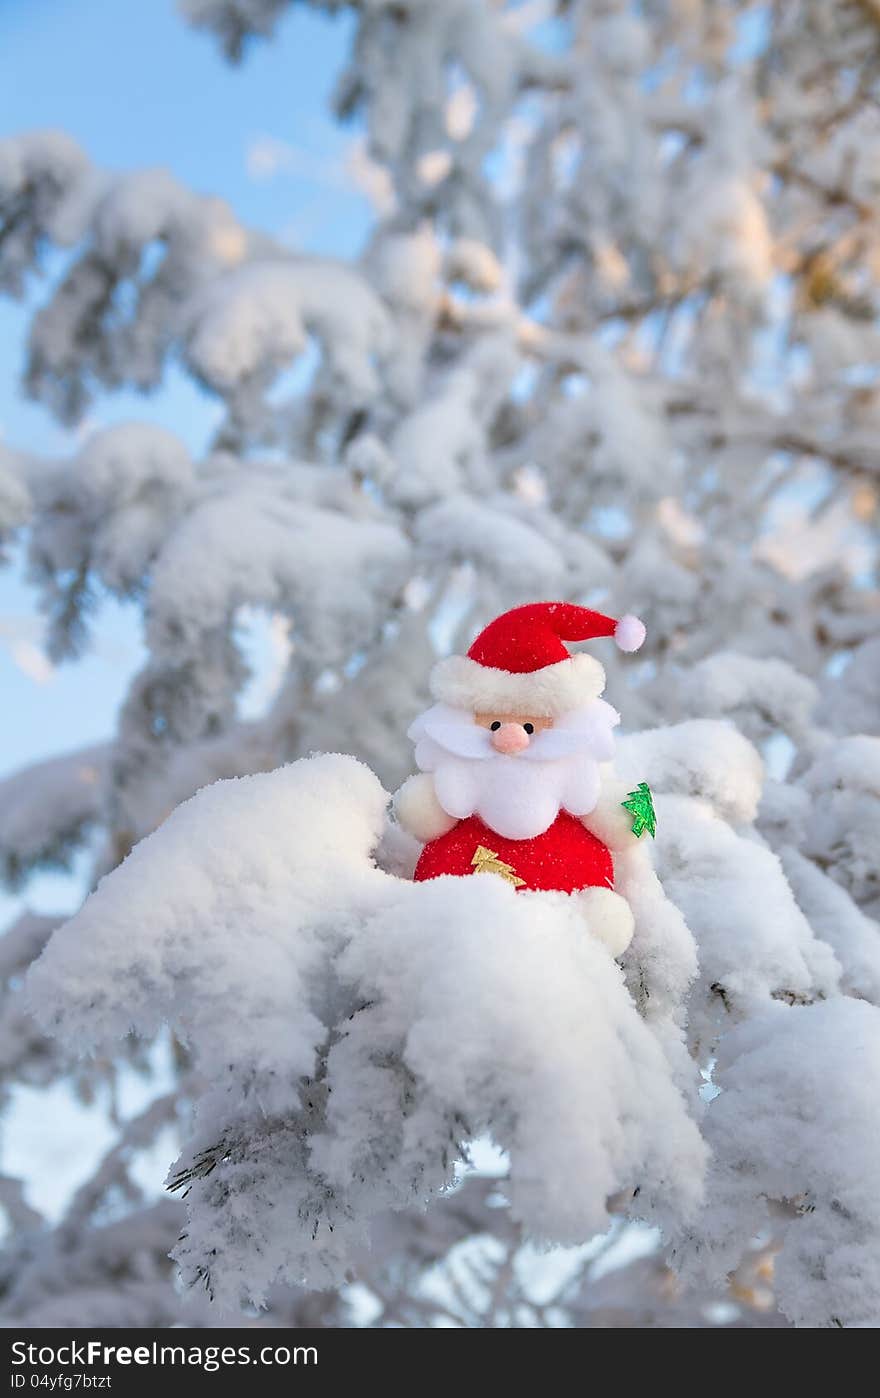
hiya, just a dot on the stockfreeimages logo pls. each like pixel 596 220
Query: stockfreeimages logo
pixel 96 1354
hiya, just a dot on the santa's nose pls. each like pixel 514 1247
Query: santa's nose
pixel 509 738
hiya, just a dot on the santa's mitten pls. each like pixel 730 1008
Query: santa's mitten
pixel 418 811
pixel 611 821
pixel 609 917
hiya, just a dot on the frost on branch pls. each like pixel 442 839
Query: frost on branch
pixel 25 1053
pixel 81 339
pixel 842 828
pixel 134 515
pixel 795 1084
pixel 156 265
pixel 245 326
pixel 38 174
pixel 853 936
pixel 749 951
pixel 760 696
pixel 46 809
pixel 355 1030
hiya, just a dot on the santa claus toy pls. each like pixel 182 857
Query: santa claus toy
pixel 513 761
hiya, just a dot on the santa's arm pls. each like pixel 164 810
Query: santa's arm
pixel 418 811
pixel 609 822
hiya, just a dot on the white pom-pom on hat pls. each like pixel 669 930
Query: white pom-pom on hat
pixel 629 633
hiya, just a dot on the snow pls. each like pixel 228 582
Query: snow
pixel 441 445
pixel 840 922
pixel 795 1084
pixel 842 827
pixel 760 696
pixel 48 165
pixel 398 1020
pixel 522 562
pixel 46 808
pixel 25 1055
pixel 750 950
pixel 130 483
pixel 698 758
pixel 849 701
pixel 331 573
pixel 138 210
pixel 248 324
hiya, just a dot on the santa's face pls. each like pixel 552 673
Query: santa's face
pixel 515 771
pixel 511 733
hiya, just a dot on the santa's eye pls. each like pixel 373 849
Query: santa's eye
pixel 529 727
pixel 496 725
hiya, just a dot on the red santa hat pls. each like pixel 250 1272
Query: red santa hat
pixel 518 663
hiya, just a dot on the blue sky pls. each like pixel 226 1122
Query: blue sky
pixel 138 88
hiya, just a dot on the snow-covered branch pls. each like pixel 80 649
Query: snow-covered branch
pixel 614 339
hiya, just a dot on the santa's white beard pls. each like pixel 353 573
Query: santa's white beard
pixel 517 796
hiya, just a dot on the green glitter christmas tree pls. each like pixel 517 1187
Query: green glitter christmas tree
pixel 641 803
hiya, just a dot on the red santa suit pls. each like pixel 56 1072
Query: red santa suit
pixel 519 666
pixel 566 857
